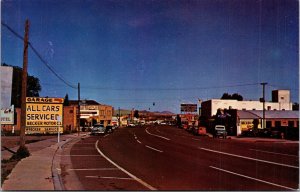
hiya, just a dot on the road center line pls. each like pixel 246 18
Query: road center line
pixel 122 178
pixel 249 158
pixel 139 141
pixel 157 135
pixel 252 178
pixel 154 149
pixel 273 152
pixel 122 169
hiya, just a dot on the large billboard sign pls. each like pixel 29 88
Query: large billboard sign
pixel 7 116
pixel 188 108
pixel 44 115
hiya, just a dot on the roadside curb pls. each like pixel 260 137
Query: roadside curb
pixel 36 172
pixel 56 168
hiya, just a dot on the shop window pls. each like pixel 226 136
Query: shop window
pixel 268 124
pixel 291 123
pixel 277 124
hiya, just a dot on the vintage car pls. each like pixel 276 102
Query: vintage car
pixel 220 131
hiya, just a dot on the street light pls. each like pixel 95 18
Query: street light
pixel 263 100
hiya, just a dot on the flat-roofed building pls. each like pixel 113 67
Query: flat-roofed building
pixel 280 101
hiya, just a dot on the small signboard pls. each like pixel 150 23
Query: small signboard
pixel 7 116
pixel 188 108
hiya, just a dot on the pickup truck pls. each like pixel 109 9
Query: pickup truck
pixel 220 131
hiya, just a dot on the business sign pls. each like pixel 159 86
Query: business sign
pixel 7 116
pixel 188 108
pixel 43 115
pixel 43 130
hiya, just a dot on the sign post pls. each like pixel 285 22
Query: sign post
pixel 58 131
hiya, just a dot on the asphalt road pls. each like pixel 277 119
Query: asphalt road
pixel 168 158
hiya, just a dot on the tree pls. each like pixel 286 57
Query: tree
pixel 136 114
pixel 237 97
pixel 234 96
pixel 178 120
pixel 296 107
pixel 226 96
pixel 33 86
pixel 66 101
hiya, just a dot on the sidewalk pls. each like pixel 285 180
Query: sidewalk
pixel 258 139
pixel 35 171
pixel 261 139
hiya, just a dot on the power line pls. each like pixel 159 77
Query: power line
pixel 276 86
pixel 166 89
pixel 39 56
pixel 48 66
pixel 11 30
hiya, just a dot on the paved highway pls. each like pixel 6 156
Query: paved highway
pixel 168 158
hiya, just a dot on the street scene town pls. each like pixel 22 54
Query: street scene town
pixel 149 95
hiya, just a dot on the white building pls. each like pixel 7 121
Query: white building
pixel 280 101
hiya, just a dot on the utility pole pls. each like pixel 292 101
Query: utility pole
pixel 24 86
pixel 119 117
pixel 264 115
pixel 78 117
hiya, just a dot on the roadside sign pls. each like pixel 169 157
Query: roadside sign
pixel 188 108
pixel 7 116
pixel 44 115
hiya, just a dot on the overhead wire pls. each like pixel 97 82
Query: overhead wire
pixel 39 56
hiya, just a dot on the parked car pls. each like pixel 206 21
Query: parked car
pixel 109 129
pixel 98 129
pixel 131 125
pixel 220 131
pixel 115 127
pixel 199 130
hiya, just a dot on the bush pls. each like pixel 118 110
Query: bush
pixel 21 153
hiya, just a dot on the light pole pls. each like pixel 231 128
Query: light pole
pixel 78 115
pixel 263 100
pixel 119 114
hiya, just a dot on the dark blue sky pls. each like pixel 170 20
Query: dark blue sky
pixel 130 54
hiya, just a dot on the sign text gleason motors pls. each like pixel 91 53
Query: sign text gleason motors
pixel 43 112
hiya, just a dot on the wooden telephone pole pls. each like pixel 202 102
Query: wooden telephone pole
pixel 24 86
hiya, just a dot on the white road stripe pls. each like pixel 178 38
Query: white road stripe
pixel 94 169
pixel 249 158
pixel 154 149
pixel 274 184
pixel 80 155
pixel 139 141
pixel 122 169
pixel 273 153
pixel 157 135
pixel 122 178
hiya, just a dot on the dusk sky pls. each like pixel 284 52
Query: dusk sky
pixel 131 53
